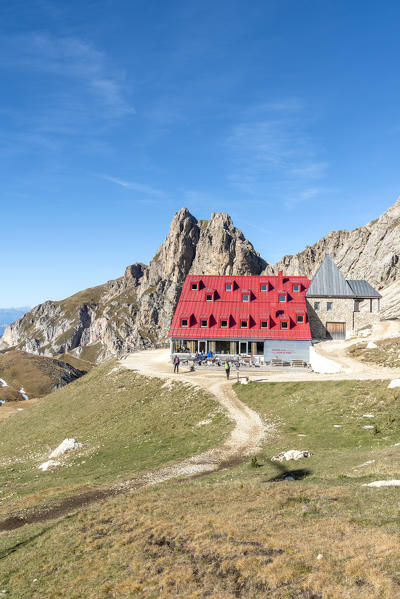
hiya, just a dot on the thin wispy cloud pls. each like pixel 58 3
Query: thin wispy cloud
pixel 135 186
pixel 272 154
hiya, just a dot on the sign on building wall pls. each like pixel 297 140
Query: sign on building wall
pixel 287 350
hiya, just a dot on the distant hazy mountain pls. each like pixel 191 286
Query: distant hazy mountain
pixel 9 315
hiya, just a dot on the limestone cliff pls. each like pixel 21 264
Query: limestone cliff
pixel 135 311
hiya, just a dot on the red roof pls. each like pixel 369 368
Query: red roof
pixel 229 305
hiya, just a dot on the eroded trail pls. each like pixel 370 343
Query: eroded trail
pixel 245 438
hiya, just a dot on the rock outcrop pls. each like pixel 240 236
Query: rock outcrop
pixel 135 311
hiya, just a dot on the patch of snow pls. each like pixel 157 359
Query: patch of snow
pixel 383 483
pixel 324 365
pixel 368 415
pixel 24 395
pixel 66 445
pixel 292 454
pixel 368 426
pixel 394 383
pixel 371 345
pixel 244 381
pixel 3 383
pixel 49 464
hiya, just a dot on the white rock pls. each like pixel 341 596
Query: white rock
pixel 244 381
pixel 364 332
pixel 47 465
pixel 24 395
pixel 66 445
pixel 203 422
pixel 394 383
pixel 3 383
pixel 320 556
pixel 364 464
pixel 368 426
pixel 368 415
pixel 338 426
pixel 292 454
pixel 383 483
pixel 395 445
pixel 371 345
pixel 289 478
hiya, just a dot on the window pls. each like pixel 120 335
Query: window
pixel 194 286
pixel 264 287
pixel 209 297
pixel 184 322
pixel 224 324
pixel 284 324
pixel 244 324
pixel 204 323
pixel 316 305
pixel 329 305
pixel 300 318
pixel 296 287
pixel 228 287
pixel 245 297
pixel 282 298
pixel 264 324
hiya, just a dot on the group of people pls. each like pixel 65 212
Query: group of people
pixel 199 357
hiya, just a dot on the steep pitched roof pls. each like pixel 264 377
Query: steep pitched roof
pixel 363 289
pixel 328 281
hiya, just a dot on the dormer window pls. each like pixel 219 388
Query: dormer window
pixel 296 287
pixel 284 324
pixel 264 287
pixel 228 286
pixel 224 324
pixel 245 297
pixel 282 298
pixel 209 297
pixel 204 323
pixel 184 322
pixel 244 324
pixel 264 324
pixel 194 286
pixel 300 318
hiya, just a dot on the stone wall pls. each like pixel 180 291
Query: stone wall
pixel 342 310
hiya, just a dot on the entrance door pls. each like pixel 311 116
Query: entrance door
pixel 336 330
pixel 202 346
pixel 243 347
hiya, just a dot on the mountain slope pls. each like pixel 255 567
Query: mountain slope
pixel 135 311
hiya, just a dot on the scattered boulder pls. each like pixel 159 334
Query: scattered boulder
pixel 48 465
pixel 371 345
pixel 292 454
pixel 394 383
pixel 66 445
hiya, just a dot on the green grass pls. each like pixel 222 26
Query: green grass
pixel 126 422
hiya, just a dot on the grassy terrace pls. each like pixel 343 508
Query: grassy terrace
pixel 126 422
pixel 241 532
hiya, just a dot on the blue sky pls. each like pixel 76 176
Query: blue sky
pixel 114 115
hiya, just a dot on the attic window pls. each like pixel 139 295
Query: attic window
pixel 245 297
pixel 329 305
pixel 228 287
pixel 244 324
pixel 184 322
pixel 296 287
pixel 282 298
pixel 209 297
pixel 284 324
pixel 300 318
pixel 264 287
pixel 204 323
pixel 264 324
pixel 194 286
pixel 224 324
pixel 316 305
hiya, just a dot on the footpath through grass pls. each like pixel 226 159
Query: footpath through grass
pixel 241 532
pixel 127 423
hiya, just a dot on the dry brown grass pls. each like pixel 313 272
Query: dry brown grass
pixel 386 354
pixel 222 540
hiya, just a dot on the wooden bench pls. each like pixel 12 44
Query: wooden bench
pixel 277 362
pixel 298 363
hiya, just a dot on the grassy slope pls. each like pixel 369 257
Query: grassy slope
pixel 127 423
pixel 386 354
pixel 236 533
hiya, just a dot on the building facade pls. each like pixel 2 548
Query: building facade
pixel 243 315
pixel 338 308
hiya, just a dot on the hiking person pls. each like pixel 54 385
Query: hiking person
pixel 176 364
pixel 227 369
